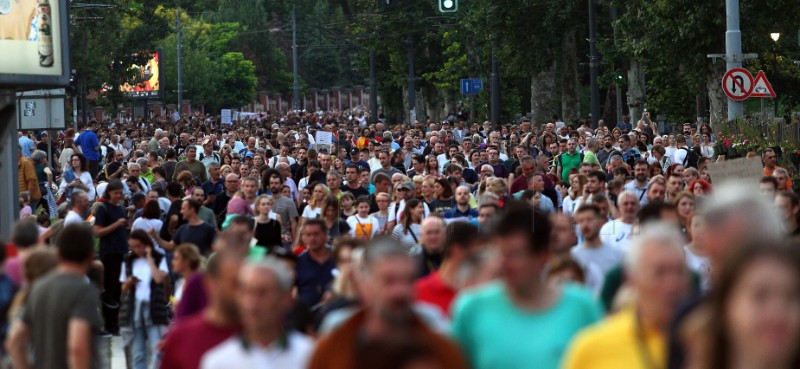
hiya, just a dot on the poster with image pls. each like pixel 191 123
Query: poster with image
pixel 33 40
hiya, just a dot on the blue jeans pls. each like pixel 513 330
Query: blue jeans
pixel 145 339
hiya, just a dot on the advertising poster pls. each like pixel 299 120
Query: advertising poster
pixel 31 39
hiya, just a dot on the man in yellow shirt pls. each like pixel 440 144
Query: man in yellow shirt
pixel 635 337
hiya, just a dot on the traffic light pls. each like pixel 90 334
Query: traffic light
pixel 448 6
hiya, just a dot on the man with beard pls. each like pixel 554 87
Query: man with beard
pixel 606 151
pixel 387 327
pixel 641 174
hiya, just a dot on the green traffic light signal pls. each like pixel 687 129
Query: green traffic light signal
pixel 448 6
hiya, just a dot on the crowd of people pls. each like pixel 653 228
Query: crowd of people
pixel 425 245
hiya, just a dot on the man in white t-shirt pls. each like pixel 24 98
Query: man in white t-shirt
pixel 679 157
pixel 80 206
pixel 592 253
pixel 404 192
pixel 617 233
pixel 264 299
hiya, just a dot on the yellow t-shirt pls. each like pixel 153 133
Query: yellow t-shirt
pixel 614 343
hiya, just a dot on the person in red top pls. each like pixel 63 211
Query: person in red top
pixel 440 287
pixel 189 339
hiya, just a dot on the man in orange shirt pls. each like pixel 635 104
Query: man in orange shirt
pixel 27 179
pixel 769 159
pixel 387 331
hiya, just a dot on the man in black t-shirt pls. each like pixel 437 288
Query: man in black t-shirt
pixel 353 184
pixel 173 219
pixel 195 231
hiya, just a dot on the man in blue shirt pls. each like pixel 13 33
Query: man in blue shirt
pixel 462 209
pixel 625 126
pixel 26 145
pixel 314 266
pixel 90 148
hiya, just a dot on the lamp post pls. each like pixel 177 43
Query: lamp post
pixel 775 36
pixel 295 74
pixel 295 82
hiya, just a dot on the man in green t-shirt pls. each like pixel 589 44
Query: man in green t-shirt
pixel 569 160
pixel 589 154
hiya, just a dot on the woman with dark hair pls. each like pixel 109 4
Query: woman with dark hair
pixel 753 317
pixel 443 199
pixel 150 219
pixel 330 215
pixel 144 313
pixel 77 176
pixel 431 167
pixel 111 227
pixel 408 229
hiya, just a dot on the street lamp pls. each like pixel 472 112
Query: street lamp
pixel 295 81
pixel 775 36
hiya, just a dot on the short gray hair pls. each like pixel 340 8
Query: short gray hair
pixel 270 264
pixel 134 165
pixel 38 156
pixel 658 234
pixel 733 200
pixel 76 194
pixel 142 162
pixel 381 250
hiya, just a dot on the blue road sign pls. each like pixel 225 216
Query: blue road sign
pixel 471 86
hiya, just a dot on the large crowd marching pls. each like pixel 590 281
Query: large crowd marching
pixel 325 240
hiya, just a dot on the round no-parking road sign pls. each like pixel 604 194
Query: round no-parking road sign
pixel 737 84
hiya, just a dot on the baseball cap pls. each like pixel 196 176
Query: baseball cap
pixel 206 141
pixel 275 126
pixel 407 185
pixel 249 155
pixel 354 151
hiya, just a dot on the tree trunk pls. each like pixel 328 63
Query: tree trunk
pixel 637 91
pixel 570 101
pixel 543 85
pixel 718 101
pixel 610 108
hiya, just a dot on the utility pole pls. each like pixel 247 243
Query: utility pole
pixel 373 89
pixel 495 89
pixel 8 161
pixel 594 63
pixel 412 93
pixel 180 65
pixel 295 82
pixel 618 81
pixel 733 51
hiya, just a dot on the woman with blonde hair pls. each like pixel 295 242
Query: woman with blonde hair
pixel 382 215
pixel 267 230
pixel 314 208
pixel 576 185
pixel 185 262
pixel 427 190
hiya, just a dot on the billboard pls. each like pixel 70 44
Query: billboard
pixel 34 43
pixel 147 80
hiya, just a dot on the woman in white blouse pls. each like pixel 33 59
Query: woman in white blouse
pixel 77 176
pixel 408 230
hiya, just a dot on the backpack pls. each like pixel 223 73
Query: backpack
pixel 691 159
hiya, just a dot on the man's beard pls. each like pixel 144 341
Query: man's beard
pixel 608 145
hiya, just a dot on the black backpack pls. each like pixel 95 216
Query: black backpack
pixel 691 159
